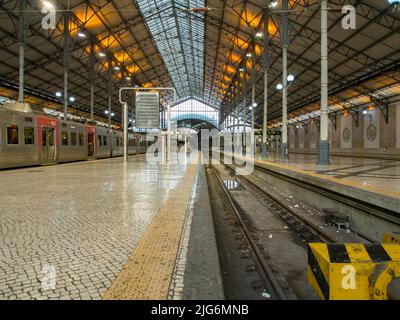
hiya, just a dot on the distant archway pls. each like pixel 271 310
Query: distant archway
pixel 195 124
pixel 195 114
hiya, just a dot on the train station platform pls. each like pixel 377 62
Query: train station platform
pixel 365 192
pixel 372 181
pixel 107 229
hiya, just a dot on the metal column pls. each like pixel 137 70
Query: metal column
pixel 110 85
pixel 253 84
pixel 244 106
pixel 92 79
pixel 21 44
pixel 66 61
pixel 266 62
pixel 169 131
pixel 284 44
pixel 323 147
pixel 125 126
pixel 132 108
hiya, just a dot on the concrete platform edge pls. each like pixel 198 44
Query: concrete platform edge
pixel 378 199
pixel 202 278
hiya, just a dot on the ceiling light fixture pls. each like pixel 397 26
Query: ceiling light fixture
pixel 48 4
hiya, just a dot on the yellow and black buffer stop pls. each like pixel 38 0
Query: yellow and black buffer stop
pixel 354 271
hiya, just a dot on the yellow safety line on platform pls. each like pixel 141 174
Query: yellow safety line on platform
pixel 147 273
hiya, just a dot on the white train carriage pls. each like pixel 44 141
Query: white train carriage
pixel 18 138
pixel 117 144
pixel 30 137
pixel 72 144
pixel 103 143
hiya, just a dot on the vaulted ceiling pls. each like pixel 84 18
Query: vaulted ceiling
pixel 199 52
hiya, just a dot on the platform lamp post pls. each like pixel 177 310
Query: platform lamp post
pixel 133 104
pixel 237 113
pixel 253 84
pixel 66 59
pixel 92 78
pixel 21 44
pixel 110 85
pixel 284 45
pixel 266 62
pixel 323 147
pixel 243 70
pixel 125 115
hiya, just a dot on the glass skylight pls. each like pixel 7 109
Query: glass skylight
pixel 179 37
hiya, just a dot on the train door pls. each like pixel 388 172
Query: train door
pixel 90 145
pixel 48 144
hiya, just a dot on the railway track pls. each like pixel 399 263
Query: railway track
pixel 308 231
pixel 278 287
pixel 302 226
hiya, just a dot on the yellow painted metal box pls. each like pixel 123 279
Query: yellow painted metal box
pixel 352 271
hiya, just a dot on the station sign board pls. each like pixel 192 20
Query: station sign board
pixel 147 110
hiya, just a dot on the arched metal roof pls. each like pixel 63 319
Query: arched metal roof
pixel 167 43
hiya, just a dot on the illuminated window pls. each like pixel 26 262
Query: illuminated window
pixel 194 110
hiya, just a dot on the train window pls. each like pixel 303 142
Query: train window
pixel 12 134
pixel 99 140
pixel 29 135
pixel 73 138
pixel 104 140
pixel 81 139
pixel 64 138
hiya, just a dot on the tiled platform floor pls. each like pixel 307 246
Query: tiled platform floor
pixel 378 176
pixel 81 220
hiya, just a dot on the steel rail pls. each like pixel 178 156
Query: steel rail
pixel 265 267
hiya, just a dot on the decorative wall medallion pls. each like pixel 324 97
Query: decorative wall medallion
pixel 371 133
pixel 346 135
